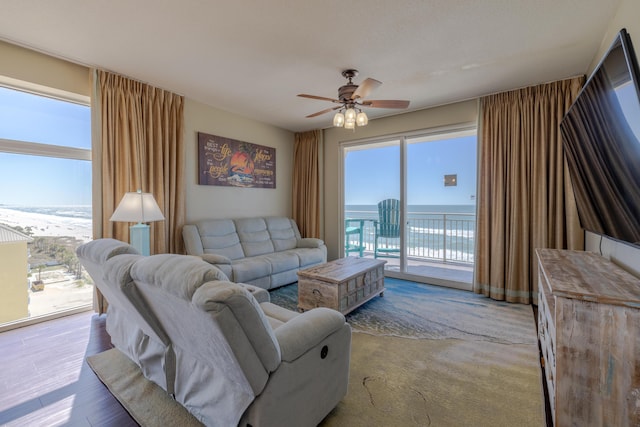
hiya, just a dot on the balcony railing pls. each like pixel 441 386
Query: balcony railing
pixel 432 236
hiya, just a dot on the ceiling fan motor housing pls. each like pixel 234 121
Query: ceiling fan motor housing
pixel 345 92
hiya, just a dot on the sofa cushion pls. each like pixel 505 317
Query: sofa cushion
pixel 219 237
pixel 282 261
pixel 254 236
pixel 283 234
pixel 309 256
pixel 248 269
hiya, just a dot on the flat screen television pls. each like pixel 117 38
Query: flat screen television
pixel 601 140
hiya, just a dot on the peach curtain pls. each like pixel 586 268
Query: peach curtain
pixel 306 182
pixel 141 132
pixel 525 198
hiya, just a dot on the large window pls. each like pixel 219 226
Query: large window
pixel 45 203
pixel 431 177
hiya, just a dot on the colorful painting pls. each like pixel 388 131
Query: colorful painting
pixel 225 161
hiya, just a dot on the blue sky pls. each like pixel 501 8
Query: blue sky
pixel 374 174
pixel 370 175
pixel 36 180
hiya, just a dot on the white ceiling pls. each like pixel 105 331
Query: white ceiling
pixel 253 57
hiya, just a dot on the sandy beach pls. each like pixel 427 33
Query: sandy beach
pixel 62 290
pixel 48 225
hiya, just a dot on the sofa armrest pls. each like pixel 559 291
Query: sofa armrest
pixel 192 240
pixel 215 259
pixel 309 242
pixel 307 330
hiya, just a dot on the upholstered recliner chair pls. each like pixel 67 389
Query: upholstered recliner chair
pixel 141 339
pixel 133 328
pixel 239 361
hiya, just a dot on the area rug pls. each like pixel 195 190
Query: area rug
pixel 415 310
pixel 421 356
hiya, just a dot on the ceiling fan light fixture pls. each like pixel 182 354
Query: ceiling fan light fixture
pixel 362 119
pixel 351 98
pixel 350 115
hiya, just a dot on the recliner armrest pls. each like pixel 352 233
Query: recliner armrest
pixel 309 242
pixel 215 259
pixel 307 330
pixel 261 295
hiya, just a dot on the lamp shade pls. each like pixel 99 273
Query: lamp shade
pixel 137 207
pixel 350 115
pixel 362 119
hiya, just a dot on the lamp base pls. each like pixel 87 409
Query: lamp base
pixel 139 236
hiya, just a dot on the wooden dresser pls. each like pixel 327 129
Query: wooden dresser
pixel 589 331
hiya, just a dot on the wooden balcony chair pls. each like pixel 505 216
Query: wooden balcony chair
pixel 387 227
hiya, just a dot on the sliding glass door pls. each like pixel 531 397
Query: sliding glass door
pixel 372 174
pixel 432 176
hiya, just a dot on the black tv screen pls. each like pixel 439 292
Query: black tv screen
pixel 601 140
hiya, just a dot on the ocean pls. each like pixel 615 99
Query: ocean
pixel 81 212
pixel 72 221
pixel 436 232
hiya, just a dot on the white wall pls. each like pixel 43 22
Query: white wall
pixel 458 113
pixel 207 201
pixel 628 15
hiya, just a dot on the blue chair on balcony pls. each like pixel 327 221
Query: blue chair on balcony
pixel 353 229
pixel 387 227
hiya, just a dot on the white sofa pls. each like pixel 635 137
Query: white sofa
pixel 264 251
pixel 230 356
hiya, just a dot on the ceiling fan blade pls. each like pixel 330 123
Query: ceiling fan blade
pixel 321 98
pixel 365 88
pixel 323 111
pixel 386 103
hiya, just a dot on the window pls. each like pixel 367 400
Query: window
pixel 432 175
pixel 45 203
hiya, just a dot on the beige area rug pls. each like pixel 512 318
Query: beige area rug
pixel 147 403
pixel 393 382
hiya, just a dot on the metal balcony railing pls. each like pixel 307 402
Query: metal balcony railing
pixel 432 236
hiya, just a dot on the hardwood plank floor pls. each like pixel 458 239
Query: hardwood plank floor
pixel 46 381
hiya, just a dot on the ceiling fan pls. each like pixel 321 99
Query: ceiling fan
pixel 351 100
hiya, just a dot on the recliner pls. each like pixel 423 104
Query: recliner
pixel 236 358
pixel 242 362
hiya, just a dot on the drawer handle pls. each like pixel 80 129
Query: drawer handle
pixel 540 329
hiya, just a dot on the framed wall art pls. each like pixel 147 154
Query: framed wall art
pixel 228 162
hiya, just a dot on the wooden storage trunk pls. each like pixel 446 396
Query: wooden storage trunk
pixel 343 284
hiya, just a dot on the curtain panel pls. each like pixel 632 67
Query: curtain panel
pixel 525 197
pixel 306 182
pixel 141 138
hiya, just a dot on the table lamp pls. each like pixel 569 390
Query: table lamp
pixel 138 207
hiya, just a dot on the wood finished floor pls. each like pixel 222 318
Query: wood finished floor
pixel 45 379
